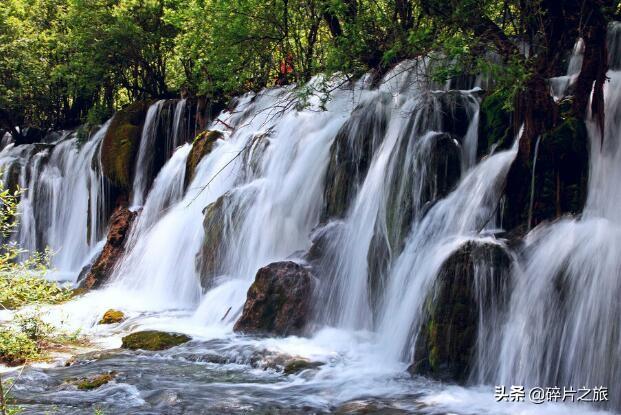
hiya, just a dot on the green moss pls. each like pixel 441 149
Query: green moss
pixel 86 384
pixel 446 341
pixel 112 316
pixel 153 340
pixel 121 143
pixel 495 124
pixel 202 145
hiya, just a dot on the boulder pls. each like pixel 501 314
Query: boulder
pixel 93 382
pixel 351 154
pixel 445 345
pixel 112 317
pixel 120 224
pixel 30 135
pixel 121 143
pixel 153 340
pixel 281 362
pixel 299 365
pixel 203 144
pixel 279 300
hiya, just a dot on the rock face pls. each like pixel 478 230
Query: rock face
pixel 556 176
pixel 472 282
pixel 209 259
pixel 351 153
pixel 121 143
pixel 278 301
pixel 120 224
pixel 558 168
pixel 153 340
pixel 495 125
pixel 203 144
pixel 221 219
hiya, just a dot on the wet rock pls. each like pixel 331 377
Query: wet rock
pixel 351 154
pixel 300 365
pixel 120 145
pixel 89 357
pixel 203 144
pixel 280 362
pixel 322 245
pixel 93 382
pixel 496 126
pixel 120 224
pixel 428 176
pixel 221 220
pixel 278 301
pixel 431 174
pixel 153 340
pixel 456 109
pixel 30 135
pixel 112 317
pixel 368 407
pixel 560 179
pixel 254 155
pixel 12 177
pixel 472 282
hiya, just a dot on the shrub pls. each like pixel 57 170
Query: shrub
pixel 16 347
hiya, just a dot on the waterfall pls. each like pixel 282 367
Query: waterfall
pixel 373 190
pixel 63 204
pixel 565 317
pixel 146 152
pixel 443 229
pixel 164 130
pixel 559 85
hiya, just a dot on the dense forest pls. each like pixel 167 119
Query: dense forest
pixel 65 62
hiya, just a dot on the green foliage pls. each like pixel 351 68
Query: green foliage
pixel 19 290
pixel 68 61
pixel 16 347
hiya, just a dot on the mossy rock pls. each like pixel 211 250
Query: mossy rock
pixel 560 179
pixel 446 341
pixel 495 125
pixel 299 365
pixel 93 382
pixel 121 143
pixel 221 219
pixel 112 317
pixel 351 154
pixel 153 340
pixel 203 144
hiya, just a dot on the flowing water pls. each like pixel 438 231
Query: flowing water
pixel 374 192
pixel 63 206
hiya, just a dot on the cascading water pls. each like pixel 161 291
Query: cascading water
pixel 374 195
pixel 164 130
pixel 63 204
pixel 565 316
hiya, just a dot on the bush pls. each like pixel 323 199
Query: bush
pixel 19 290
pixel 16 347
